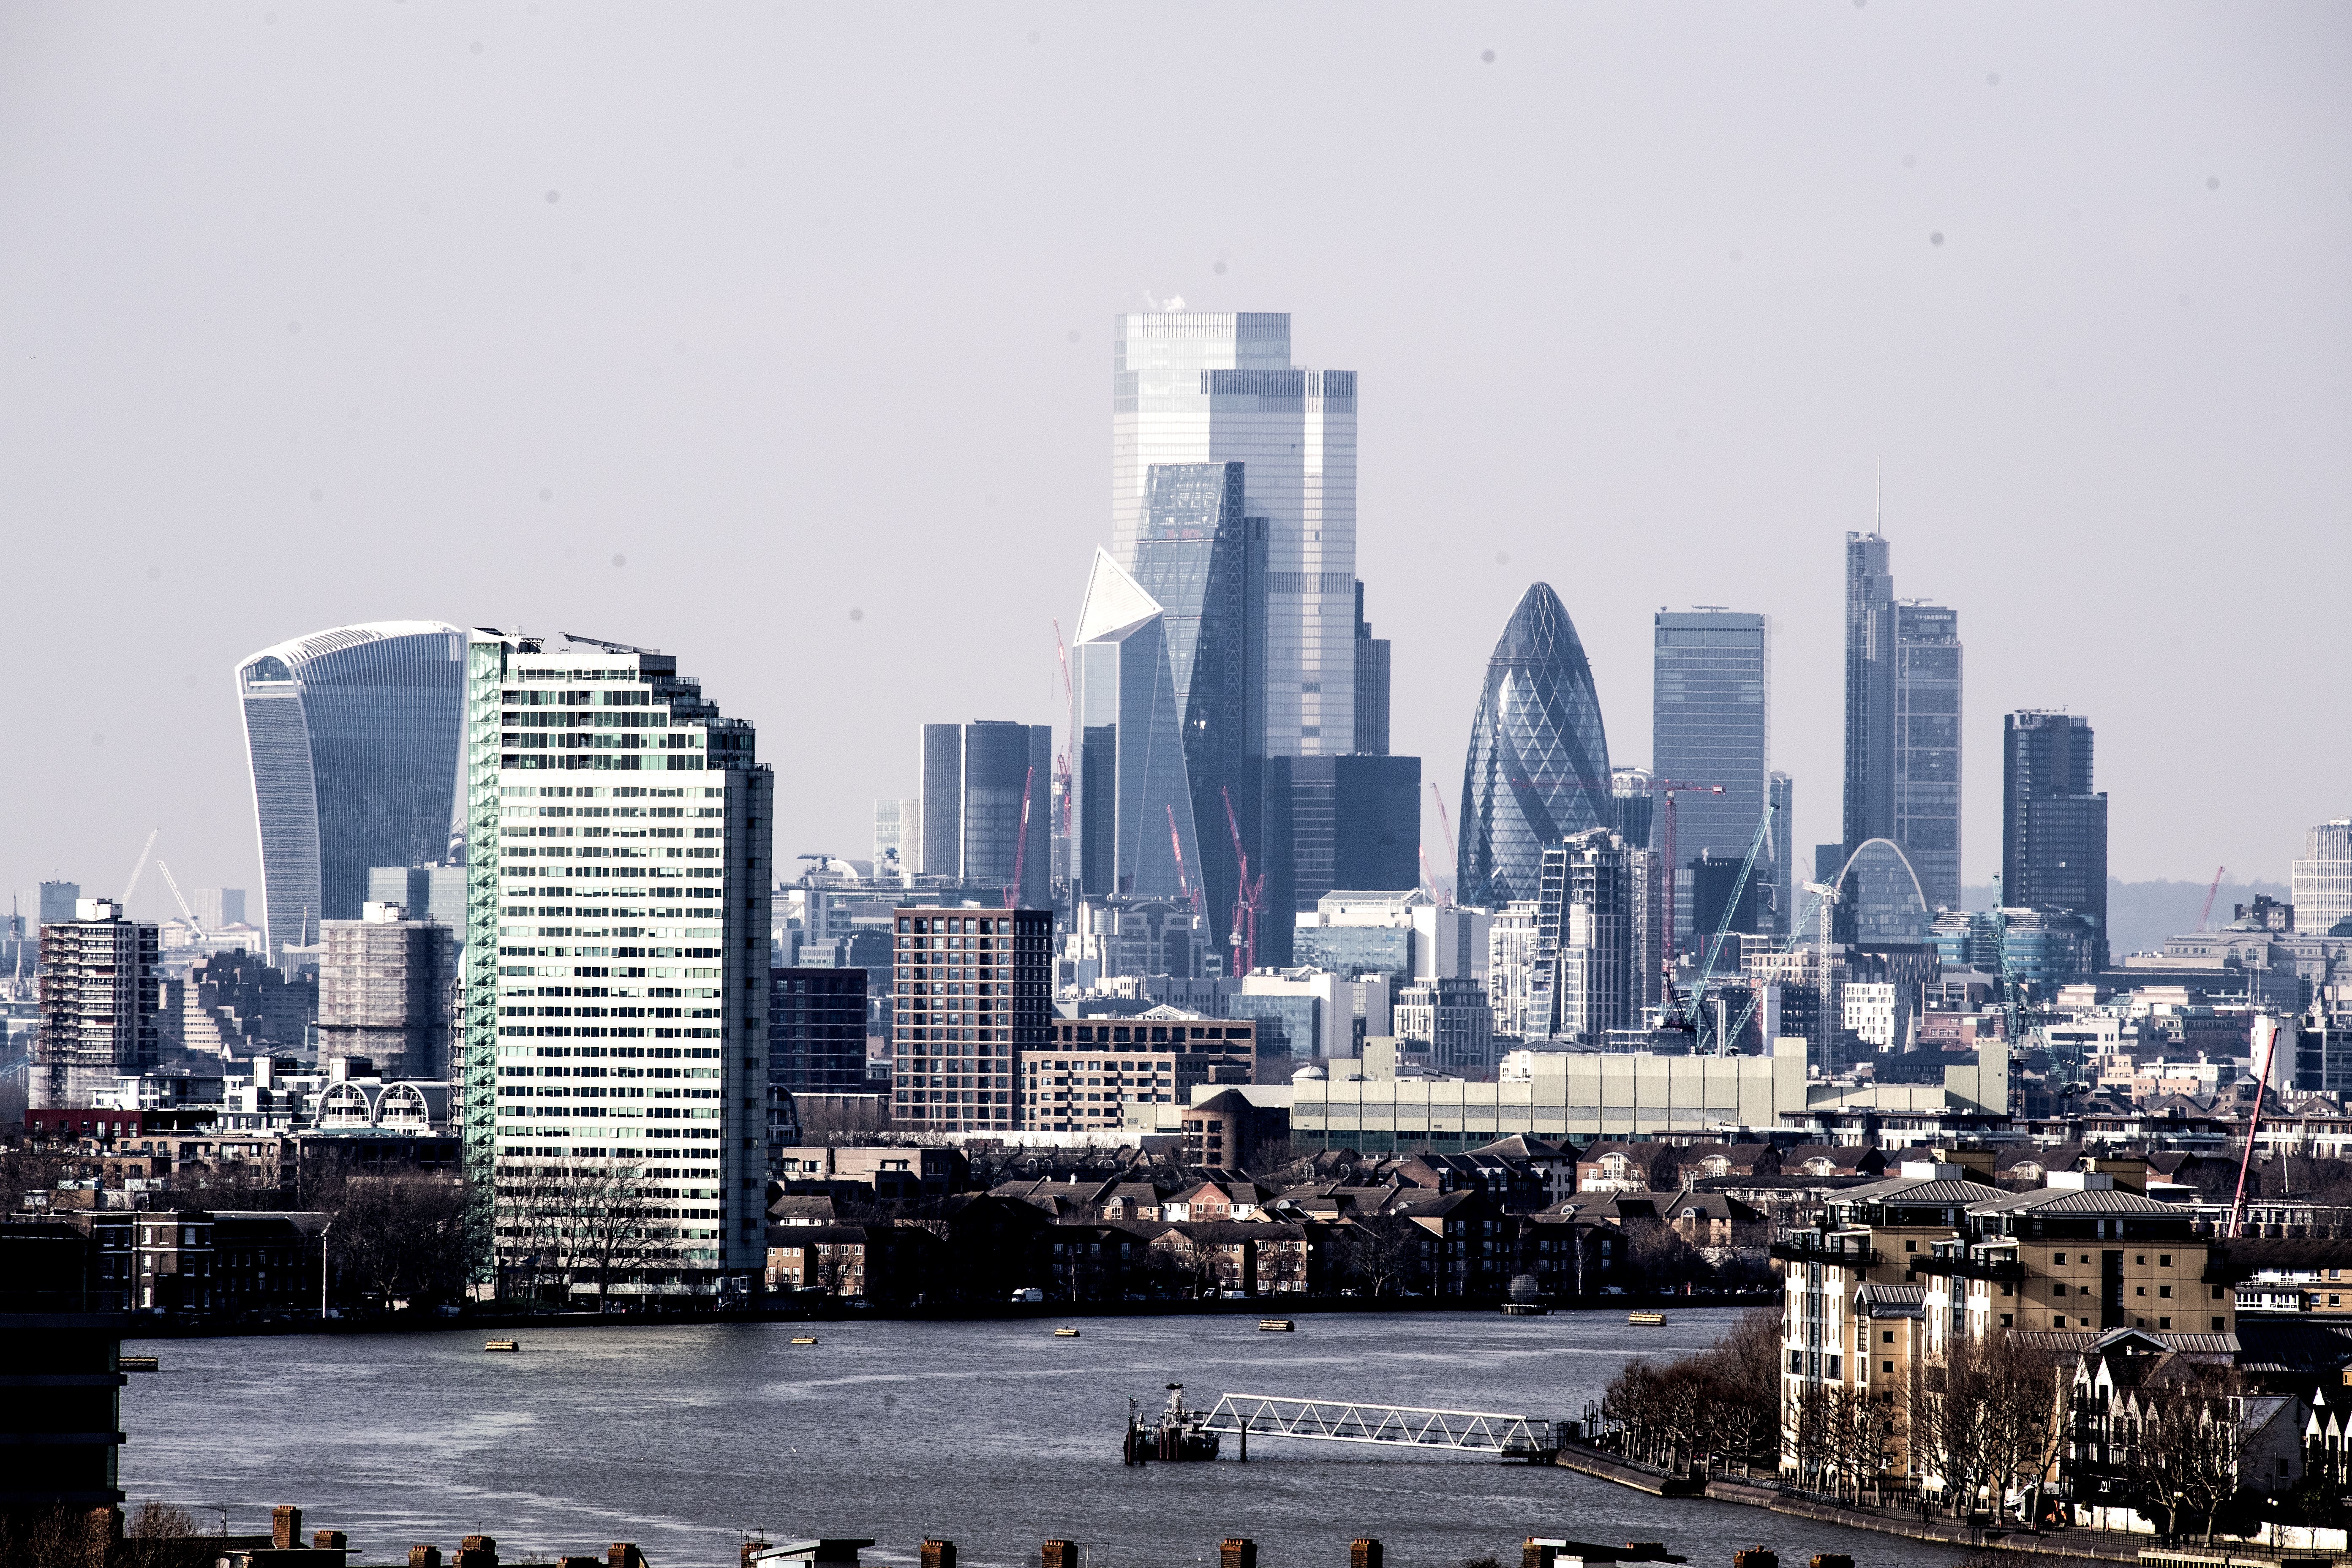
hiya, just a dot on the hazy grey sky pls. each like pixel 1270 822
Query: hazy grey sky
pixel 326 314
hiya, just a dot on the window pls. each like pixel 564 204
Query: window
pixel 2164 1323
pixel 2058 1320
pixel 2217 1296
pixel 2139 1289
pixel 1910 1247
pixel 2217 1325
pixel 2164 1291
pixel 2056 1290
pixel 2164 1260
pixel 2058 1258
pixel 1886 1366
pixel 1888 1336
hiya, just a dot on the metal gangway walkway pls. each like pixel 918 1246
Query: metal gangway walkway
pixel 1251 1416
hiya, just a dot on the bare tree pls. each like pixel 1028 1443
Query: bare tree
pixel 395 1237
pixel 2191 1439
pixel 585 1222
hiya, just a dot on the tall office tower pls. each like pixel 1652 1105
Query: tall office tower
pixel 1203 562
pixel 1350 823
pixel 1538 763
pixel 1584 980
pixel 427 892
pixel 387 985
pixel 1196 387
pixel 897 838
pixel 2321 882
pixel 100 992
pixel 1782 794
pixel 219 906
pixel 1712 724
pixel 941 812
pixel 1928 748
pixel 616 970
pixel 2053 828
pixel 1371 686
pixel 970 989
pixel 1133 812
pixel 1631 792
pixel 353 735
pixel 817 1044
pixel 58 902
pixel 1869 691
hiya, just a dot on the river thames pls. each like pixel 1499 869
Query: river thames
pixel 995 1435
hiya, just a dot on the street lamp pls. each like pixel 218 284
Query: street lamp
pixel 323 1269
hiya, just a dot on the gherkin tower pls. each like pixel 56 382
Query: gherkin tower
pixel 1539 763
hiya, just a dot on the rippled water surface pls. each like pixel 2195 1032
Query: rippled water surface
pixel 995 1435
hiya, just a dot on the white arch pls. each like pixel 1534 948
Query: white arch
pixel 1901 857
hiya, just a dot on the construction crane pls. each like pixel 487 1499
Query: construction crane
pixel 1445 899
pixel 1176 843
pixel 1247 895
pixel 2205 915
pixel 1070 739
pixel 1668 789
pixel 2263 1022
pixel 1020 849
pixel 178 897
pixel 1723 927
pixel 138 869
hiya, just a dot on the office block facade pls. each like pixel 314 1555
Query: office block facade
pixel 1712 724
pixel 1097 1075
pixel 1371 686
pixel 1334 822
pixel 1450 1022
pixel 427 892
pixel 970 989
pixel 1584 983
pixel 616 964
pixel 353 735
pixel 98 994
pixel 1869 668
pixel 1781 793
pixel 59 901
pixel 2322 879
pixel 2053 852
pixel 1538 769
pixel 217 908
pixel 1928 748
pixel 897 838
pixel 816 1043
pixel 1200 387
pixel 387 990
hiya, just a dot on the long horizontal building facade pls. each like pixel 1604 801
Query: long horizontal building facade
pixel 1564 1094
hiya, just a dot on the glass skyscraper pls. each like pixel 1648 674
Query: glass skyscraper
pixel 1539 763
pixel 2322 885
pixel 1712 724
pixel 1903 692
pixel 616 970
pixel 1133 807
pixel 2053 827
pixel 1204 562
pixel 978 781
pixel 353 735
pixel 1195 387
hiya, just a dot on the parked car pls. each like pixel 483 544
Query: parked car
pixel 1021 1298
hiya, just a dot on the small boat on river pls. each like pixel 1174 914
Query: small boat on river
pixel 502 1344
pixel 1065 1333
pixel 1646 1319
pixel 804 1338
pixel 137 1363
pixel 1276 1326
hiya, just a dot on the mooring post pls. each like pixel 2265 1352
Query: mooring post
pixel 1244 1439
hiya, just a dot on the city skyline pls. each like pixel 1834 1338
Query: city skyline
pixel 1574 432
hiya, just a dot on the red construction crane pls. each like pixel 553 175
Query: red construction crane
pixel 1176 843
pixel 1247 896
pixel 2205 915
pixel 1668 789
pixel 1021 849
pixel 1069 701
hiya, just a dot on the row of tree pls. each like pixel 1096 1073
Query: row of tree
pixel 1711 1411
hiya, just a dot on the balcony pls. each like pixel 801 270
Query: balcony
pixel 1849 1249
pixel 1967 1267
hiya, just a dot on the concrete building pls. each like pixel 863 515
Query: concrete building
pixel 617 983
pixel 898 839
pixel 100 994
pixel 2322 879
pixel 59 903
pixel 972 988
pixel 217 908
pixel 427 892
pixel 1584 983
pixel 387 990
pixel 1512 946
pixel 816 1043
pixel 353 736
pixel 1873 1014
pixel 1316 1014
pixel 1450 1023
pixel 1099 1075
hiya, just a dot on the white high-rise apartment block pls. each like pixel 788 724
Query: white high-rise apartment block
pixel 2321 882
pixel 1512 944
pixel 1191 386
pixel 1873 1014
pixel 616 970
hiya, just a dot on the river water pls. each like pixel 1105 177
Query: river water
pixel 995 1435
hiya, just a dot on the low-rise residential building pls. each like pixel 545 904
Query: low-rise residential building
pixel 1102 1075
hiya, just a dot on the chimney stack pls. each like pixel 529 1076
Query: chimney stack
pixel 1059 1554
pixel 1237 1552
pixel 624 1554
pixel 477 1551
pixel 424 1557
pixel 286 1527
pixel 938 1555
pixel 330 1541
pixel 1364 1552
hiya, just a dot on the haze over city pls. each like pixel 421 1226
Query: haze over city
pixel 781 341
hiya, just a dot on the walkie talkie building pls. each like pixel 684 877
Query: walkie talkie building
pixel 1539 763
pixel 353 735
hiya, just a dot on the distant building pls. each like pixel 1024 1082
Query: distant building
pixel 986 788
pixel 217 908
pixel 1511 947
pixel 427 892
pixel 1371 686
pixel 1100 1074
pixel 1712 724
pixel 1538 769
pixel 354 737
pixel 386 987
pixel 1133 829
pixel 1784 793
pixel 1333 823
pixel 1451 1021
pixel 972 988
pixel 898 838
pixel 1309 1013
pixel 1584 985
pixel 57 902
pixel 816 1042
pixel 99 1000
pixel 1227 1132
pixel 1928 748
pixel 2322 884
pixel 2053 853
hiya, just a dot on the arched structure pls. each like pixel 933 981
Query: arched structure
pixel 1880 900
pixel 1538 765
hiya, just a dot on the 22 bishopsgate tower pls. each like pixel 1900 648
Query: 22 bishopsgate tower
pixel 1902 723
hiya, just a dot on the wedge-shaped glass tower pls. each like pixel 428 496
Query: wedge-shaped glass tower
pixel 1133 812
pixel 1538 763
